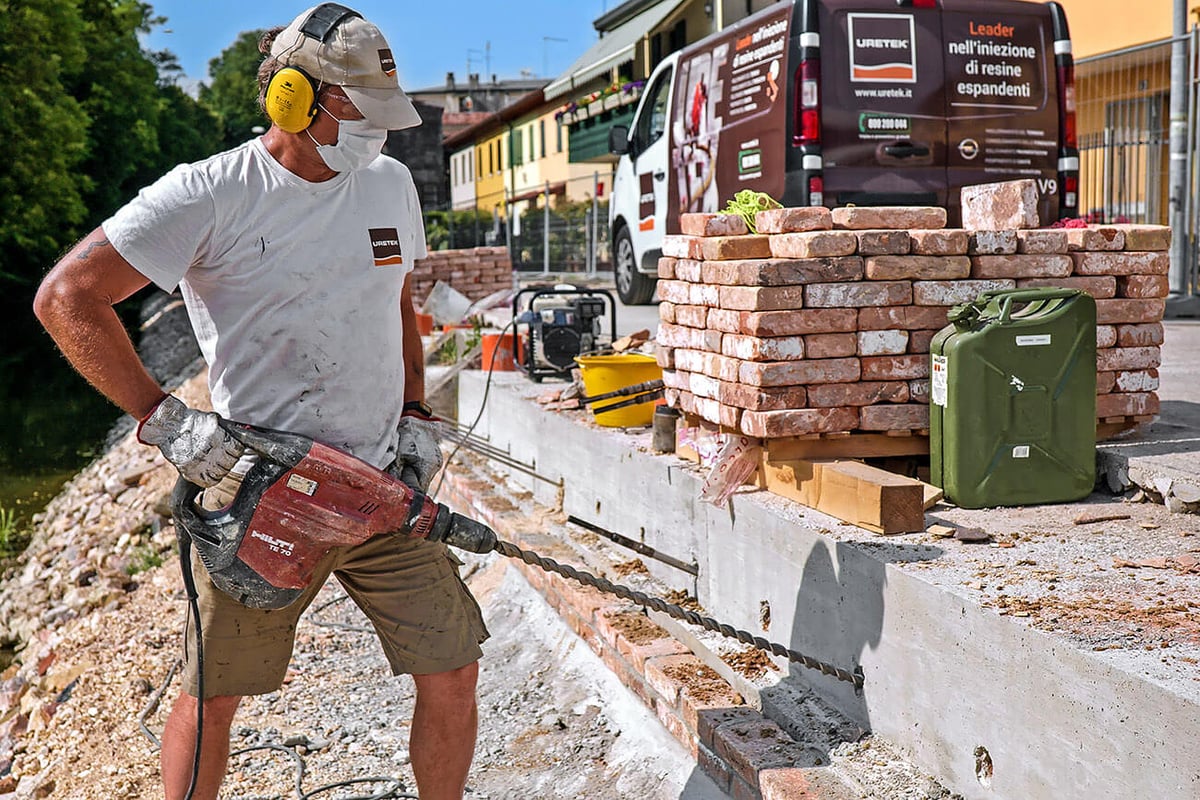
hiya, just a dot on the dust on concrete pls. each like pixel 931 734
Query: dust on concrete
pixel 627 568
pixel 701 683
pixel 636 627
pixel 751 663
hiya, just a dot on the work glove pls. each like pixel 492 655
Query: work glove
pixel 419 452
pixel 191 440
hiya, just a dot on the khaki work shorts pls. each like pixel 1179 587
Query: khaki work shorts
pixel 410 590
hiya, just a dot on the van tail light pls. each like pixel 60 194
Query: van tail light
pixel 816 191
pixel 1066 107
pixel 1071 191
pixel 806 122
pixel 924 4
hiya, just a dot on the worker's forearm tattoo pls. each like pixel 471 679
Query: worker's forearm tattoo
pixel 87 251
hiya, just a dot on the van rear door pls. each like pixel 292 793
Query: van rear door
pixel 1002 97
pixel 883 103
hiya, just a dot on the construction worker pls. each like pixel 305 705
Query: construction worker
pixel 292 253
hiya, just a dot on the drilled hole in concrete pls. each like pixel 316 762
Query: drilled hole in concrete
pixel 597 506
pixel 983 767
pixel 764 614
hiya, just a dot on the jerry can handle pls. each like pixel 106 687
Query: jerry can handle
pixel 1009 296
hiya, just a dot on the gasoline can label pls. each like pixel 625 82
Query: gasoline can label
pixel 1033 341
pixel 1021 451
pixel 939 380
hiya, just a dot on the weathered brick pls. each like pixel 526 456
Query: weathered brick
pixel 861 218
pixel 857 295
pixel 919 341
pixel 757 398
pixel 1116 359
pixel 671 720
pixel 1124 263
pixel 1105 382
pixel 726 320
pixel 806 321
pixel 863 393
pixel 754 348
pixel 1018 266
pixel 1095 237
pixel 706 718
pixel 1007 205
pixel 691 316
pixel 704 386
pixel 716 769
pixel 1129 312
pixel 783 272
pixel 666 312
pixel 1041 241
pixel 918 390
pixel 949 293
pixel 1142 380
pixel 677 379
pixel 1146 335
pixel 898 268
pixel 670 335
pixel 1106 336
pixel 903 317
pixel 664 674
pixel 783 783
pixel 730 417
pixel 830 345
pixel 1120 404
pixel 1143 286
pixel 793 220
pixel 672 291
pixel 882 343
pixel 666 268
pixel 752 746
pixel 689 269
pixel 1098 286
pixel 665 356
pixel 708 409
pixel 713 365
pixel 760 298
pixel 878 243
pixel 895 368
pixel 712 225
pixel 797 373
pixel 815 244
pixel 728 248
pixel 1146 237
pixel 940 243
pixel 797 422
pixel 992 243
pixel 899 417
pixel 679 246
pixel 703 294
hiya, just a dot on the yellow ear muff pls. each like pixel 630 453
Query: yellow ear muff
pixel 291 99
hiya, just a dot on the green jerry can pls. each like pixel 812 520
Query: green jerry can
pixel 1012 412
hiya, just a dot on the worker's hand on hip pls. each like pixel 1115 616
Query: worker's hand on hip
pixel 191 440
pixel 419 454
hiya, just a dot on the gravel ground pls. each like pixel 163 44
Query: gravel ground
pixel 554 722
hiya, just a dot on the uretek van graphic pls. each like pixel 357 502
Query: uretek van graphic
pixel 838 102
pixel 883 48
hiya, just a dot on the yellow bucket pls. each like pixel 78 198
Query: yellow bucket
pixel 603 374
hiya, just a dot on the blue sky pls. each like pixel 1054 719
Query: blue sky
pixel 428 37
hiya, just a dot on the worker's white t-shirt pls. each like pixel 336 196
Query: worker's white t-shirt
pixel 293 288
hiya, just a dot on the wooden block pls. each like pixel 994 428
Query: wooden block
pixel 862 495
pixel 860 445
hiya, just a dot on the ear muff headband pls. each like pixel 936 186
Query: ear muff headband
pixel 291 96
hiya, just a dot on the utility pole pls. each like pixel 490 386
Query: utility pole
pixel 1177 173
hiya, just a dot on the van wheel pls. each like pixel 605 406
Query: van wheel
pixel 634 288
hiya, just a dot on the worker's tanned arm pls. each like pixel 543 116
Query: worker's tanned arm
pixel 75 304
pixel 414 352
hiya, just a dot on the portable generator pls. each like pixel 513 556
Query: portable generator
pixel 551 326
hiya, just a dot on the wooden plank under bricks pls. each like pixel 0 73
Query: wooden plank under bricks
pixel 858 493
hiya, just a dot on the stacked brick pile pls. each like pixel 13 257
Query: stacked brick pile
pixel 476 272
pixel 821 322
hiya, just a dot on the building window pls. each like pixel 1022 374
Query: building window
pixel 542 135
pixel 517 147
pixel 559 136
pixel 531 156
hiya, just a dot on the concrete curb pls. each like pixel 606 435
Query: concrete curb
pixel 746 755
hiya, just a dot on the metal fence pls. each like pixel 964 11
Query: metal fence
pixel 1123 102
pixel 542 229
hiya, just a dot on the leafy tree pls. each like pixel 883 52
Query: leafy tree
pixel 233 93
pixel 44 131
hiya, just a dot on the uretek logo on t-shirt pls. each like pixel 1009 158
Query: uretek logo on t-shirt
pixel 385 245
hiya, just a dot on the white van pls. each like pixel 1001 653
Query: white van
pixel 837 102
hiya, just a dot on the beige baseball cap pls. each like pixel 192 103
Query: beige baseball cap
pixel 354 55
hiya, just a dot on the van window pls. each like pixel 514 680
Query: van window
pixel 652 124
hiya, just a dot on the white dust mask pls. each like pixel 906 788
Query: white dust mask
pixel 358 144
